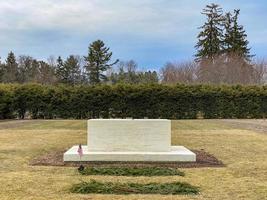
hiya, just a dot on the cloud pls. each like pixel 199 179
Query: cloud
pixel 147 29
pixel 82 17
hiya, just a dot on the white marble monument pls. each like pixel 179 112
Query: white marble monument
pixel 130 140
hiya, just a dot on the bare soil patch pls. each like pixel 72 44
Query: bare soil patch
pixel 204 159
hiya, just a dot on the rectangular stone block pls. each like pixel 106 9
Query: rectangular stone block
pixel 177 153
pixel 126 135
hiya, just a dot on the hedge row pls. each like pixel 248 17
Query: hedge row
pixel 137 101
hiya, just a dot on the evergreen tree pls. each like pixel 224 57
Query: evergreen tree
pixel 61 73
pixel 210 39
pixel 2 68
pixel 72 69
pixel 69 71
pixel 127 74
pixel 11 69
pixel 97 62
pixel 148 77
pixel 235 37
pixel 228 32
pixel 120 76
pixel 237 55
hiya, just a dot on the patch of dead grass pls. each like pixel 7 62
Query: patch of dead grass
pixel 243 151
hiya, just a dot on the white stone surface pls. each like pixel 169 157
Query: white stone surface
pixel 130 140
pixel 129 135
pixel 177 153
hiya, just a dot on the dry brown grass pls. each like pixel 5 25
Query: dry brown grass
pixel 243 151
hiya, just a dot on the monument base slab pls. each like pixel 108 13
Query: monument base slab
pixel 177 154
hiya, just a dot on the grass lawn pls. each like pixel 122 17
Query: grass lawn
pixel 242 149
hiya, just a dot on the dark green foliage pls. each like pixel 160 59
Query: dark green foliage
pixel 69 71
pixel 72 65
pixel 123 171
pixel 95 187
pixel 222 36
pixel 148 77
pixel 11 69
pixel 97 62
pixel 2 71
pixel 235 37
pixel 61 73
pixel 137 101
pixel 127 74
pixel 6 101
pixel 210 39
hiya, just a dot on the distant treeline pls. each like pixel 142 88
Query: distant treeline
pixel 74 70
pixel 137 101
pixel 223 57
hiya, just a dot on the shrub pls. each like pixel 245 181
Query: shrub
pixel 95 187
pixel 6 101
pixel 123 171
pixel 137 101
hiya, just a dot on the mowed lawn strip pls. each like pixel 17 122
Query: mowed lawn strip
pixel 96 187
pixel 134 171
pixel 242 151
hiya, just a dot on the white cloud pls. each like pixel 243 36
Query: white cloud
pixel 41 27
pixel 145 18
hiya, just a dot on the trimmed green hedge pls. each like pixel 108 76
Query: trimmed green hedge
pixel 137 101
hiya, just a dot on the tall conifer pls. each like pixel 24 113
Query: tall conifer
pixel 210 39
pixel 11 69
pixel 98 61
pixel 235 37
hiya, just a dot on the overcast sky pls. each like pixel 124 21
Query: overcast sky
pixel 151 32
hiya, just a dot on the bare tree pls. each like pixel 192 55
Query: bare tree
pixel 184 72
pixel 260 71
pixel 47 73
pixel 230 68
pixel 211 70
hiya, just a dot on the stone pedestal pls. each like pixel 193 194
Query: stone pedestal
pixel 130 140
pixel 116 135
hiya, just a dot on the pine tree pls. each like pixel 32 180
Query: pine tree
pixel 237 54
pixel 235 37
pixel 11 69
pixel 228 29
pixel 210 39
pixel 97 62
pixel 68 72
pixel 61 73
pixel 72 68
